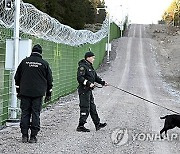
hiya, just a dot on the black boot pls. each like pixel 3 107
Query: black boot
pixel 100 125
pixel 82 129
pixel 25 138
pixel 33 139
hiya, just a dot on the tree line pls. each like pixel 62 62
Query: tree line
pixel 74 13
pixel 172 13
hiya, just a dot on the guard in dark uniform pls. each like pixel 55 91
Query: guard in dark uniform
pixel 33 80
pixel 87 76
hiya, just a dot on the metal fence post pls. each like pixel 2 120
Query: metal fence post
pixel 13 108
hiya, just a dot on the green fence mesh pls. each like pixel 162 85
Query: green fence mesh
pixel 63 61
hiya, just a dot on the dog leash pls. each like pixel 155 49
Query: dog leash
pixel 143 99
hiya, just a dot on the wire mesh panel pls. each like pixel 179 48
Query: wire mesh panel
pixel 115 31
pixel 4 76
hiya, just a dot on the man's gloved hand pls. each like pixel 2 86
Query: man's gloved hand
pixel 47 99
pixel 104 83
pixel 48 96
pixel 92 86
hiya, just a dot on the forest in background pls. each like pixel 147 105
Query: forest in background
pixel 172 13
pixel 74 13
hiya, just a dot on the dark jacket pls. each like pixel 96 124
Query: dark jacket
pixel 87 75
pixel 34 76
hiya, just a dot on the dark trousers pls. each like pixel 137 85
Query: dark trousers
pixel 30 116
pixel 87 106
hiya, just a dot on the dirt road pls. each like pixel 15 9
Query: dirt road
pixel 133 124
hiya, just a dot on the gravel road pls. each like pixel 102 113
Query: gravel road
pixel 133 124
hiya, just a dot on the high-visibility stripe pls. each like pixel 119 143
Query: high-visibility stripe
pixel 85 81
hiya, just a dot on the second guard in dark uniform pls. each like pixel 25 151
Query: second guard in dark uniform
pixel 33 80
pixel 87 76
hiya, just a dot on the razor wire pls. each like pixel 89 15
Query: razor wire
pixel 35 22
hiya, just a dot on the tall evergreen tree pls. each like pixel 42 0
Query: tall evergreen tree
pixel 75 13
pixel 90 13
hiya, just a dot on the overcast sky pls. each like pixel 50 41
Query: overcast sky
pixel 139 11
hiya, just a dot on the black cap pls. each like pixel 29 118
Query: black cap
pixel 88 54
pixel 37 48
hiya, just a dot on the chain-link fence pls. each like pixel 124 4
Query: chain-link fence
pixel 62 58
pixel 4 77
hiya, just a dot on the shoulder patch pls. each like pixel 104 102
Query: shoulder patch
pixel 81 68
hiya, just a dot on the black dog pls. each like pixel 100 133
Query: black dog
pixel 171 121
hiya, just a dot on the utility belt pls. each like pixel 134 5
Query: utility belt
pixel 83 89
